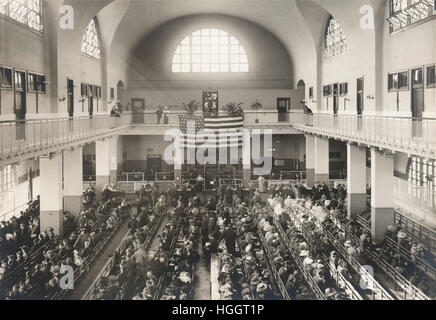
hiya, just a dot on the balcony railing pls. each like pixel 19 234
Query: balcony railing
pixel 411 135
pixel 17 137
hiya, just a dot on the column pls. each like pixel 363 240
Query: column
pixel 102 169
pixel 51 209
pixel 73 180
pixel 382 193
pixel 178 160
pixel 246 157
pixel 321 159
pixel 356 180
pixel 310 160
pixel 113 159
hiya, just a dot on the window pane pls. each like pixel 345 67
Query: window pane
pixel 208 50
pixel 91 41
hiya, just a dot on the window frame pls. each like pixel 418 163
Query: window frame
pixel 398 87
pixel 25 21
pixel 334 49
pixel 330 90
pixel 210 51
pixel 343 93
pixel 310 92
pixel 427 84
pixel 9 87
pixel 38 84
pixel 98 43
pixel 406 19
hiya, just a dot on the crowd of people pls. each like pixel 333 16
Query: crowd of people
pixel 327 206
pixel 19 237
pixel 39 277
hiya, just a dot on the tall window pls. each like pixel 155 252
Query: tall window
pixel 210 50
pixel 403 13
pixel 91 40
pixel 422 175
pixel 335 42
pixel 27 12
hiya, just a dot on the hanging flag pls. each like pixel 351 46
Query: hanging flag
pixel 226 129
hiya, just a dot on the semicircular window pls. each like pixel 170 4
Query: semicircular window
pixel 210 50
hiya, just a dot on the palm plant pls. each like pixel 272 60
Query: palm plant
pixel 191 107
pixel 233 108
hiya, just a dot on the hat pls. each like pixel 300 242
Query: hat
pixel 304 253
pixel 261 287
pixel 348 243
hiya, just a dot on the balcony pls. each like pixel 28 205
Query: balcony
pixel 41 136
pixel 280 123
pixel 408 135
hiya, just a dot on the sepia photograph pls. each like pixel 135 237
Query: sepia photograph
pixel 217 154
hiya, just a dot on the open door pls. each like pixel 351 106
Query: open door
pixel 417 102
pixel 138 108
pixel 70 97
pixel 20 104
pixel 283 106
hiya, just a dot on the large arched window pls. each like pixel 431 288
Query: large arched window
pixel 210 50
pixel 27 12
pixel 406 12
pixel 335 42
pixel 91 40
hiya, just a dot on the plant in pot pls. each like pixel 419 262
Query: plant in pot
pixel 256 106
pixel 234 108
pixel 191 107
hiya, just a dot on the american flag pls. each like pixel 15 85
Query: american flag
pixel 227 130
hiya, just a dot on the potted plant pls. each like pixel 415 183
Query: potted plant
pixel 234 108
pixel 191 107
pixel 257 105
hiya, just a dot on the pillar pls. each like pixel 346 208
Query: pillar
pixel 356 180
pixel 106 152
pixel 246 157
pixel 310 160
pixel 73 180
pixel 178 160
pixel 113 159
pixel 51 209
pixel 382 193
pixel 321 159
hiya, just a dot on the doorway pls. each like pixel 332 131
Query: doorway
pixel 335 98
pixel 138 108
pixel 283 106
pixel 417 103
pixel 70 97
pixel 154 164
pixel 121 95
pixel 20 104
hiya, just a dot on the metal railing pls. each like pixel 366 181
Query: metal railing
pixel 30 135
pixel 402 134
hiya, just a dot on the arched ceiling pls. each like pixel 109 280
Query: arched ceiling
pixel 295 23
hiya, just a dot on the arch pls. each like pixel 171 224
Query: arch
pixel 301 90
pixel 121 95
pixel 210 50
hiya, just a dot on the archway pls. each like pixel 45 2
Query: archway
pixel 121 96
pixel 301 92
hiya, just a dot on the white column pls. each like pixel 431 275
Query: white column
pixel 73 180
pixel 382 193
pixel 113 159
pixel 246 157
pixel 51 207
pixel 310 160
pixel 321 159
pixel 102 168
pixel 356 180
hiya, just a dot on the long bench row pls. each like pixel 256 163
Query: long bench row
pixel 410 291
pixel 341 282
pixel 378 291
